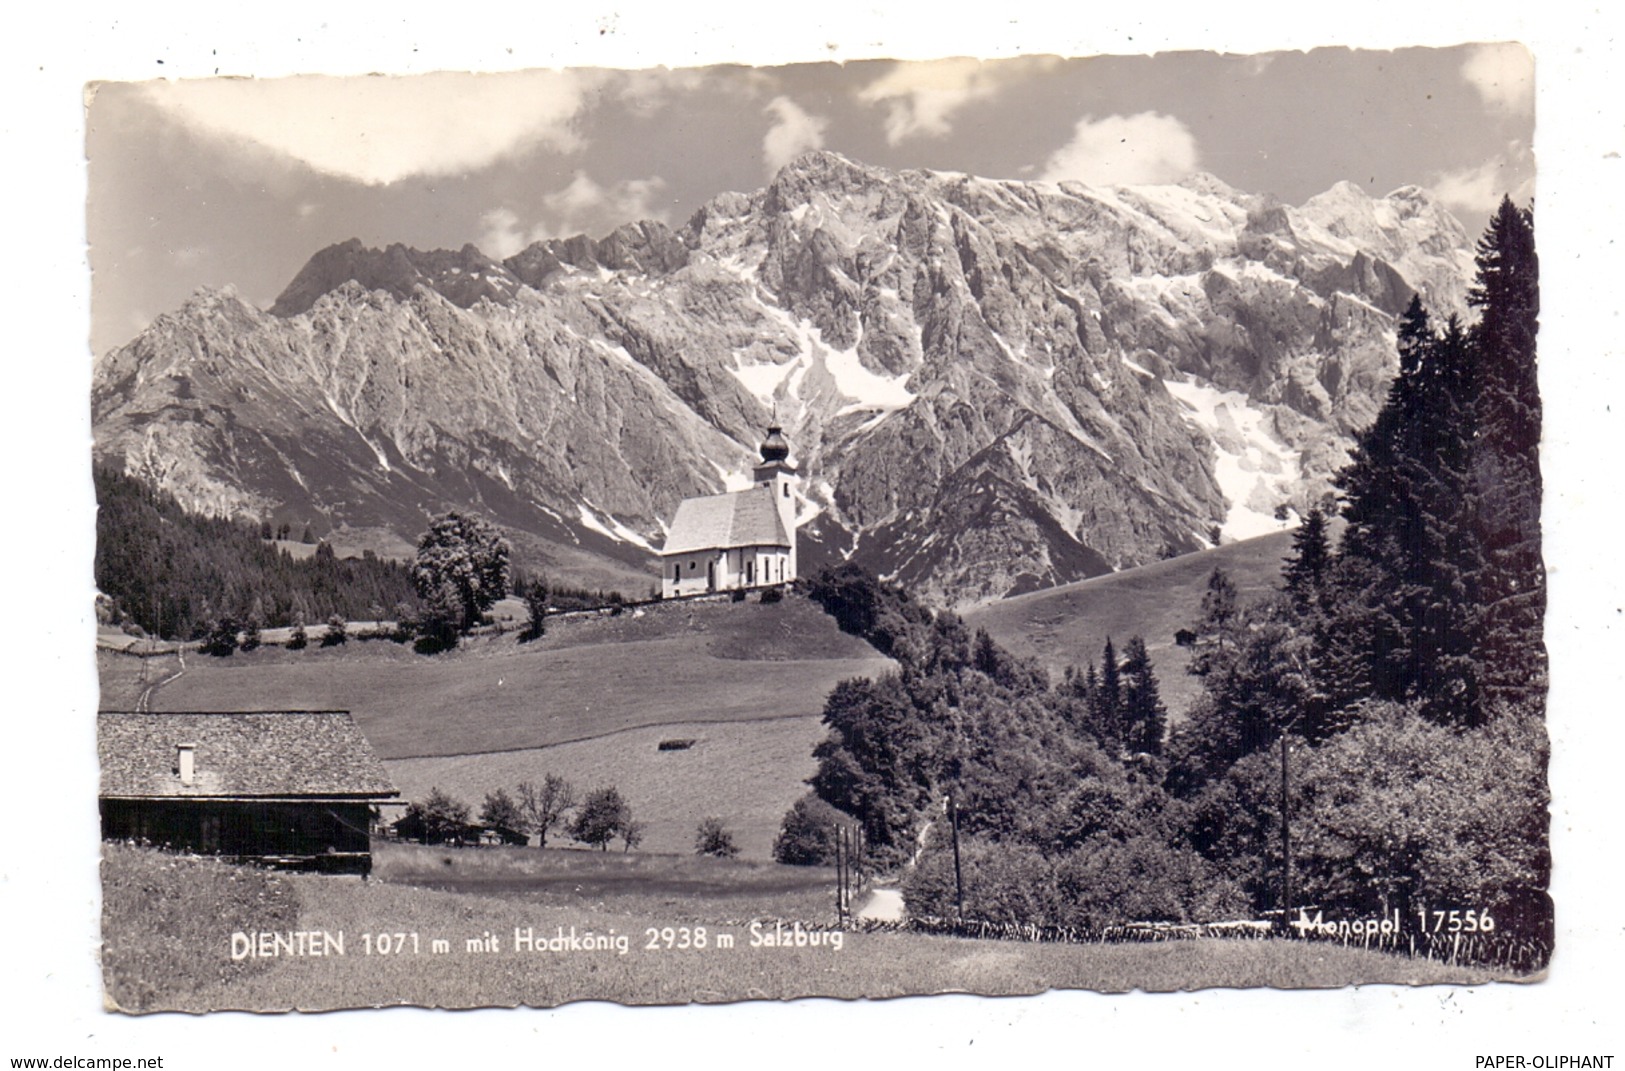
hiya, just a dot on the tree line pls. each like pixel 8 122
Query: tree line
pixel 175 574
pixel 601 817
pixel 180 576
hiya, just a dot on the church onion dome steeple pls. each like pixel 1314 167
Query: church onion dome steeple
pixel 774 447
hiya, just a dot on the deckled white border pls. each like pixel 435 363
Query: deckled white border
pixel 47 868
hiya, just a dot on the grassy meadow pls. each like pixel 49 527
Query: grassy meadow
pixel 681 888
pixel 168 922
pixel 590 701
pixel 1068 625
pixel 747 773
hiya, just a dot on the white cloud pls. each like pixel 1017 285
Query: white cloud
pixel 794 131
pixel 1475 192
pixel 582 207
pixel 1125 150
pixel 921 98
pixel 1504 75
pixel 377 129
pixel 500 234
pixel 586 207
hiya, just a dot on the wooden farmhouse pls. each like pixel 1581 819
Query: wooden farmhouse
pixel 292 789
pixel 742 539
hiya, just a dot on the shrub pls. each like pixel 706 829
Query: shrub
pixel 406 625
pixel 222 638
pixel 1003 882
pixel 1402 812
pixel 807 835
pixel 297 640
pixel 714 838
pixel 337 632
pixel 536 603
pixel 1142 879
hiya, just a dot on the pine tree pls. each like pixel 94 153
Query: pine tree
pixel 1106 701
pixel 503 816
pixel 1219 616
pixel 1309 564
pixel 1406 620
pixel 1505 463
pixel 1144 718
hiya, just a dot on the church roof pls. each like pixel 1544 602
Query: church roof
pixel 718 522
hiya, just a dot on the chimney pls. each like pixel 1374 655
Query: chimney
pixel 185 755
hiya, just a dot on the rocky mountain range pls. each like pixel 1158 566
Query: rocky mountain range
pixel 989 386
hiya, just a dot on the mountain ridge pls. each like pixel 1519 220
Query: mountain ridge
pixel 1113 374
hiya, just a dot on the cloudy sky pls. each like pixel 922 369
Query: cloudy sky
pixel 209 182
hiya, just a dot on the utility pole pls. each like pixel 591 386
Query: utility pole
pixel 840 874
pixel 1286 844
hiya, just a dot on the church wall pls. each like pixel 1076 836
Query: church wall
pixel 725 570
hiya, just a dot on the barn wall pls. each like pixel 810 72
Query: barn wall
pixel 325 835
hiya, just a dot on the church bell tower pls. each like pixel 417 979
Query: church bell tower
pixel 776 473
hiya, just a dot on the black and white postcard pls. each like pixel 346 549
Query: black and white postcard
pixel 750 531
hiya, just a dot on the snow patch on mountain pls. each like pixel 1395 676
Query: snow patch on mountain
pixel 864 390
pixel 734 479
pixel 610 527
pixel 1255 471
pixel 764 380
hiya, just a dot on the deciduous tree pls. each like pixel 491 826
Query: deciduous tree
pixel 502 815
pixel 466 556
pixel 601 817
pixel 544 806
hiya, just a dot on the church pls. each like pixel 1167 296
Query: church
pixel 743 539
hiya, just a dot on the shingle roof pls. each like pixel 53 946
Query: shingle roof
pixel 717 522
pixel 282 754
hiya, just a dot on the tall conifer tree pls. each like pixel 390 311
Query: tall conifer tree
pixel 1407 623
pixel 1144 718
pixel 1506 463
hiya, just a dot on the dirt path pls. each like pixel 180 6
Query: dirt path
pixel 144 704
pixel 885 905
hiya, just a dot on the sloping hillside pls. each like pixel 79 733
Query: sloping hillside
pixel 591 701
pixel 1068 625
